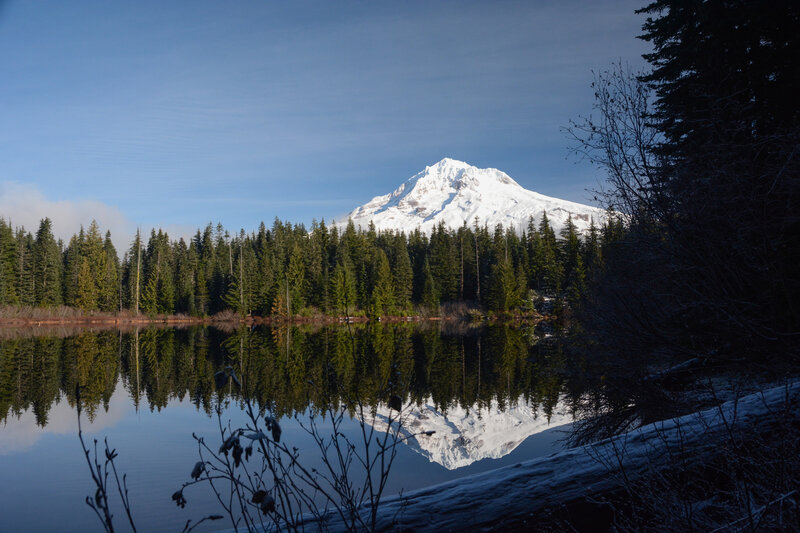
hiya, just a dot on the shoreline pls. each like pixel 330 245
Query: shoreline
pixel 111 320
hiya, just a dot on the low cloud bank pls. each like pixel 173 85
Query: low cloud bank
pixel 25 205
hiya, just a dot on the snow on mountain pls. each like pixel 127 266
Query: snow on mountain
pixel 455 192
pixel 463 436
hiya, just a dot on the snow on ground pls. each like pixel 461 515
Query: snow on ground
pixel 523 489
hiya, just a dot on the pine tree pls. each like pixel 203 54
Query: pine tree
pixel 25 268
pixel 8 265
pixel 133 275
pixel 149 301
pixel 551 272
pixel 47 267
pixel 154 268
pixel 443 262
pixel 344 287
pixel 205 270
pixel 185 271
pixel 73 257
pixel 315 245
pixel 383 290
pixel 264 279
pixel 109 283
pixel 574 272
pixel 93 261
pixel 430 294
pixel 504 288
pixel 239 294
pixel 592 256
pixel 403 273
pixel 86 287
pixel 295 275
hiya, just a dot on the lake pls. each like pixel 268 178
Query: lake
pixel 493 395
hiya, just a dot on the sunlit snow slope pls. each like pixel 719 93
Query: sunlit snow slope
pixel 455 192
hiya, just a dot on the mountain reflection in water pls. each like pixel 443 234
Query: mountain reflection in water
pixel 462 436
pixel 482 389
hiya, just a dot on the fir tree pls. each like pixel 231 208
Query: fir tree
pixel 430 294
pixel 383 290
pixel 550 270
pixel 295 275
pixel 574 272
pixel 47 267
pixel 109 282
pixel 443 262
pixel 344 287
pixel 86 287
pixel 8 264
pixel 403 273
pixel 25 268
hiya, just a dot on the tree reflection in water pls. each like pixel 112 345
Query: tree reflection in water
pixel 289 368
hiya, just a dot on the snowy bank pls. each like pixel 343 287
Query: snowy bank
pixel 518 491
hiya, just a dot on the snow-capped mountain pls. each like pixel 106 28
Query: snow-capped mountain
pixel 455 192
pixel 464 436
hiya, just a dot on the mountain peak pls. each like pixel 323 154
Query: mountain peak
pixel 448 162
pixel 455 192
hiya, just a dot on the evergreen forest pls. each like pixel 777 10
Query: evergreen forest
pixel 288 270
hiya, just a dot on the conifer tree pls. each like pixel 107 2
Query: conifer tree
pixel 344 286
pixel 550 270
pixel 134 273
pixel 25 268
pixel 264 280
pixel 574 272
pixel 504 288
pixel 185 269
pixel 149 302
pixel 240 292
pixel 86 286
pixel 8 264
pixel 417 252
pixel 47 267
pixel 592 257
pixel 295 275
pixel 205 270
pixel 443 262
pixel 430 294
pixel 383 290
pixel 403 273
pixel 109 283
pixel 72 265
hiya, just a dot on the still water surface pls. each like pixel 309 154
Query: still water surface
pixel 491 394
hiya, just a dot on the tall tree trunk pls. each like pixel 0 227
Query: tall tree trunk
pixel 138 273
pixel 461 289
pixel 477 270
pixel 241 278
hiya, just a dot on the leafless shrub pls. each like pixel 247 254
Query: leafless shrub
pixel 456 310
pixel 276 490
pixel 746 479
pixel 227 315
pixel 23 312
pixel 100 472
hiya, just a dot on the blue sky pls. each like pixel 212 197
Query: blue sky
pixel 175 114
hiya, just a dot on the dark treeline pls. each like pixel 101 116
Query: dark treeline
pixel 289 270
pixel 703 157
pixel 287 368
